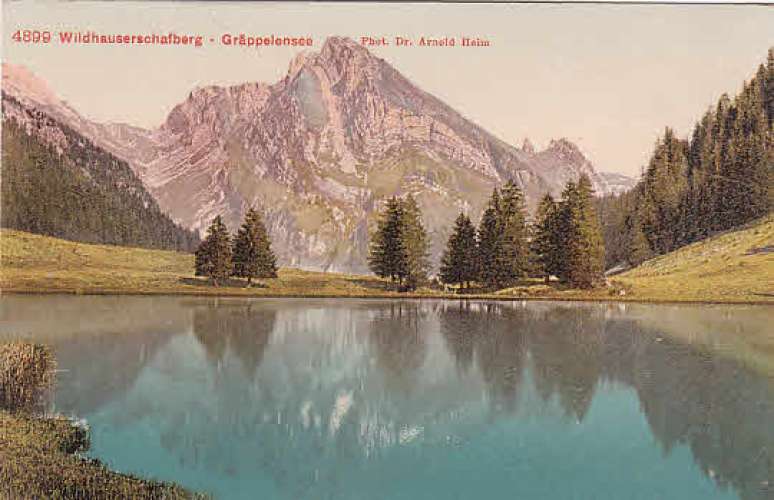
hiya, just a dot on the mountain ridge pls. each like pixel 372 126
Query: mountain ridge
pixel 319 151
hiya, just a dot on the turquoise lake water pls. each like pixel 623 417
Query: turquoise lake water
pixel 372 399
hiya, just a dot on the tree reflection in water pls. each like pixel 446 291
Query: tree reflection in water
pixel 721 410
pixel 295 392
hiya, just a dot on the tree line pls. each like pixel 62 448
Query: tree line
pixel 564 241
pixel 718 179
pixel 247 255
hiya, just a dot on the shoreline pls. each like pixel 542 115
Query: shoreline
pixel 382 296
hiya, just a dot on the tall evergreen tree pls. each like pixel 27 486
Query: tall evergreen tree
pixel 565 229
pixel 546 244
pixel 458 264
pixel 415 242
pixel 213 257
pixel 388 257
pixel 588 255
pixel 637 248
pixel 769 86
pixel 664 184
pixel 512 260
pixel 580 236
pixel 489 242
pixel 252 254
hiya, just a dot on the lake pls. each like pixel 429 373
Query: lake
pixel 431 399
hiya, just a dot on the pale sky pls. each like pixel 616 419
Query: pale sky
pixel 608 77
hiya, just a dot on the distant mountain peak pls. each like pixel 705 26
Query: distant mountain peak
pixel 566 149
pixel 23 83
pixel 527 146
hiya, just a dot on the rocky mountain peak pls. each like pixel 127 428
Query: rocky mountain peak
pixel 566 150
pixel 339 59
pixel 527 146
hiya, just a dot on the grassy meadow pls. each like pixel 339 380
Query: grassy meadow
pixel 735 267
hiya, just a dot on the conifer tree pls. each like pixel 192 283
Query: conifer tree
pixel 213 257
pixel 637 248
pixel 489 239
pixel 252 254
pixel 546 244
pixel 415 242
pixel 388 257
pixel 564 229
pixel 512 260
pixel 585 252
pixel 458 264
pixel 769 86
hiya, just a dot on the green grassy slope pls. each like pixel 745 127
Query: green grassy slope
pixel 733 266
pixel 30 262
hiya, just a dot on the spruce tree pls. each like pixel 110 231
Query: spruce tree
pixel 546 244
pixel 564 230
pixel 388 257
pixel 489 240
pixel 458 263
pixel 584 252
pixel 769 88
pixel 415 242
pixel 637 249
pixel 252 254
pixel 512 259
pixel 213 257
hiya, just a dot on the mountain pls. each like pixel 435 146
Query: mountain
pixel 57 182
pixel 319 151
pixel 617 183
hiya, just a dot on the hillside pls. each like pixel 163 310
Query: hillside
pixel 732 268
pixel 58 183
pixel 737 265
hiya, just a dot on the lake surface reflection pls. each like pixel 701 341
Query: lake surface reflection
pixel 354 399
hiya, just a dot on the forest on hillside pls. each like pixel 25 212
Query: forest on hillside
pixel 718 179
pixel 82 194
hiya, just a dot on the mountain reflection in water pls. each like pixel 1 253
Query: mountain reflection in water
pixel 294 396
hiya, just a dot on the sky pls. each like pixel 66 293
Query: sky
pixel 608 77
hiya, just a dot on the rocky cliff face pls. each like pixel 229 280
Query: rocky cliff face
pixel 320 150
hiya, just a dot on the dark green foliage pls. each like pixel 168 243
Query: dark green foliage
pixel 512 258
pixel 546 244
pixel 489 242
pixel 416 244
pixel 252 253
pixel 214 255
pixel 584 251
pixel 458 264
pixel 664 182
pixel 388 257
pixel 636 249
pixel 503 238
pixel 721 178
pixel 82 194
